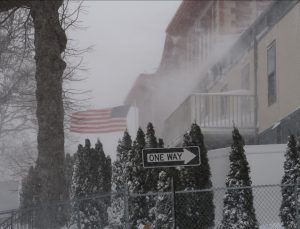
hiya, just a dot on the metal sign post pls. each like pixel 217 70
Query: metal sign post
pixel 171 157
pixel 173 202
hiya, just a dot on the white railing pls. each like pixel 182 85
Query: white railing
pixel 212 111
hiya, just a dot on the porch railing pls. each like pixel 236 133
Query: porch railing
pixel 213 112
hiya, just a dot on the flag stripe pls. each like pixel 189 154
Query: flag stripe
pixel 98 127
pixel 93 111
pixel 91 119
pixel 107 114
pixel 91 115
pixel 115 120
pixel 96 131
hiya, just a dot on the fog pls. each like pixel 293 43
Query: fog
pixel 170 89
pixel 199 64
pixel 173 89
pixel 127 38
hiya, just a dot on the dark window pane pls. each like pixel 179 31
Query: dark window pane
pixel 271 89
pixel 271 70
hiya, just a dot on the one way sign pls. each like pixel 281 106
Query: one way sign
pixel 171 157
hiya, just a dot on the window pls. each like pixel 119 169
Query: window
pixel 271 70
pixel 245 77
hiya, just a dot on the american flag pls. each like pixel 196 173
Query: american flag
pixel 100 121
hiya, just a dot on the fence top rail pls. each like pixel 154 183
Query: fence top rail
pixel 149 194
pixel 213 189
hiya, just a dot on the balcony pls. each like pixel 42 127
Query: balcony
pixel 216 113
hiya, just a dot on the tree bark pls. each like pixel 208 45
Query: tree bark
pixel 50 42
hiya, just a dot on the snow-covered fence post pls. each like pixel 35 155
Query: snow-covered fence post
pixel 126 210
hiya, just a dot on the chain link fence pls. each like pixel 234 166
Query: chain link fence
pixel 186 209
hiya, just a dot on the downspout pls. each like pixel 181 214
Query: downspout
pixel 255 52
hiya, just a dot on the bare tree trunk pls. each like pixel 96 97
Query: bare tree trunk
pixel 50 42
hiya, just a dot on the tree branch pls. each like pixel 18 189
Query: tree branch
pixel 6 5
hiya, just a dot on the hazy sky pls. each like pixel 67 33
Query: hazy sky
pixel 128 39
